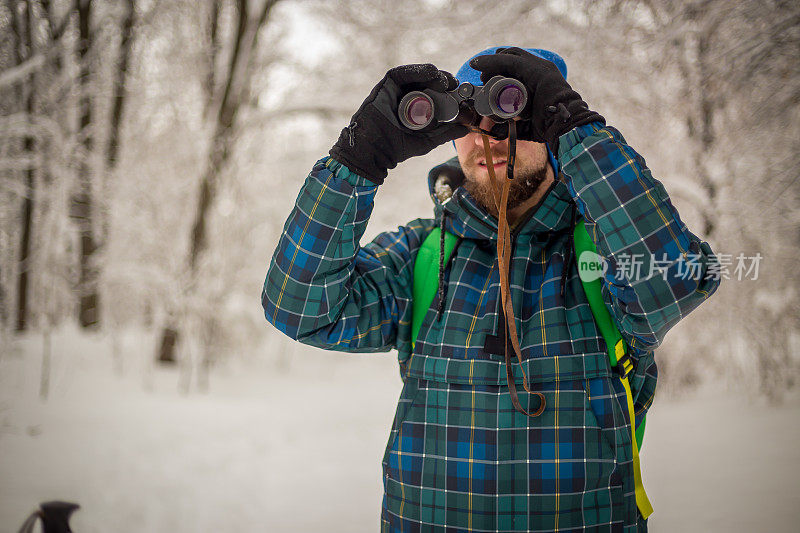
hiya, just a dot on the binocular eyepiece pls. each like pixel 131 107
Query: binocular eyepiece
pixel 500 99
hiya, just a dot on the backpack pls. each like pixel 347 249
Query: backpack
pixel 426 284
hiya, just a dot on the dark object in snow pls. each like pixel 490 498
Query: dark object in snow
pixel 169 340
pixel 55 517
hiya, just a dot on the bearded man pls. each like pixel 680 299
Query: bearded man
pixel 466 452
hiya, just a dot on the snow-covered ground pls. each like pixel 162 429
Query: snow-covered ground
pixel 300 450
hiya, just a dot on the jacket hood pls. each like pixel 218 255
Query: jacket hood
pixel 467 219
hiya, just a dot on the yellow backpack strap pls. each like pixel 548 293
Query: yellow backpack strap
pixel 620 360
pixel 624 367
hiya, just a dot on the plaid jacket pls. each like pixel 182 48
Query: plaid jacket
pixel 459 455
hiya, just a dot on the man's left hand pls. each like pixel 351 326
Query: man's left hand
pixel 553 107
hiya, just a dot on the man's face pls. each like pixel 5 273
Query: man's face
pixel 530 170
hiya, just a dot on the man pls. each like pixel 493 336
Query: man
pixel 465 452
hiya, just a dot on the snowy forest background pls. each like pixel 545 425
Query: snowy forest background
pixel 150 151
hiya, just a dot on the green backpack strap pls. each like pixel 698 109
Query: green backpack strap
pixel 589 267
pixel 592 286
pixel 426 276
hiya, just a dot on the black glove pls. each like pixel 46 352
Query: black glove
pixel 375 141
pixel 553 107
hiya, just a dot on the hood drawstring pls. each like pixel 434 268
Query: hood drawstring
pixel 444 192
pixel 569 254
pixel 442 280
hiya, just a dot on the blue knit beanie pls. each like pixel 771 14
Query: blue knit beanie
pixel 467 73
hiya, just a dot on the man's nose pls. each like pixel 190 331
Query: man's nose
pixel 486 124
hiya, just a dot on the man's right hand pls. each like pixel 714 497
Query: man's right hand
pixel 375 141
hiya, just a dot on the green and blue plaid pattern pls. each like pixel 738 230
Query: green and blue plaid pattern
pixel 462 455
pixel 459 457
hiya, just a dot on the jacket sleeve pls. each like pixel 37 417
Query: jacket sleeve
pixel 658 271
pixel 322 287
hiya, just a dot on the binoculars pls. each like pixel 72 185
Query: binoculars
pixel 500 99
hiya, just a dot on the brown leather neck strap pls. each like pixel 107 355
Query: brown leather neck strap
pixel 503 260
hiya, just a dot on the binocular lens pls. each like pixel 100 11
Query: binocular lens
pixel 418 111
pixel 510 99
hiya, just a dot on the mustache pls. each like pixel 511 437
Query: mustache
pixel 477 154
